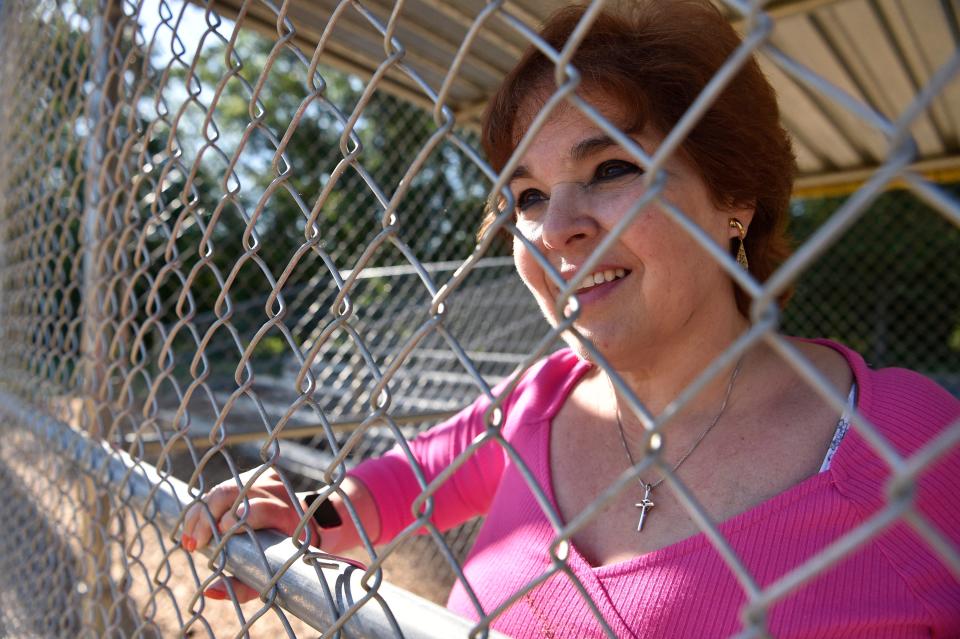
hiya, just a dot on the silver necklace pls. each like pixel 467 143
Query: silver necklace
pixel 646 504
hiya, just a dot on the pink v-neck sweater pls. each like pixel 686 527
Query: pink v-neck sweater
pixel 892 586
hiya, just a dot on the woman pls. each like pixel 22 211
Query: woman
pixel 759 448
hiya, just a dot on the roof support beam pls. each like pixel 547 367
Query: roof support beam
pixel 843 182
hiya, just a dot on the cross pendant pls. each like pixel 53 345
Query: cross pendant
pixel 644 505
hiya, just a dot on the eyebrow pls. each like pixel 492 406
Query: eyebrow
pixel 579 151
pixel 520 172
pixel 588 147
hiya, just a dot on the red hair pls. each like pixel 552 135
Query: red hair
pixel 654 58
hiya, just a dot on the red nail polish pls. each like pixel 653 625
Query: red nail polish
pixel 215 593
pixel 189 543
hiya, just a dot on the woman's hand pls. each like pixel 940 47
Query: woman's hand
pixel 270 507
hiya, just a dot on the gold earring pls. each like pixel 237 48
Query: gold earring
pixel 741 253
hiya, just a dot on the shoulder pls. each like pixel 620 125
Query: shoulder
pixel 907 408
pixel 917 420
pixel 537 393
pixel 544 387
pixel 913 407
pixel 907 419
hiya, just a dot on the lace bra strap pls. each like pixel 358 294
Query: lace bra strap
pixel 842 427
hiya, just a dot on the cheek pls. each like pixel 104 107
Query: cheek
pixel 670 260
pixel 529 229
pixel 613 204
pixel 533 276
pixel 648 236
pixel 525 264
pixel 679 269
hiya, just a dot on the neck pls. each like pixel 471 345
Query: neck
pixel 660 374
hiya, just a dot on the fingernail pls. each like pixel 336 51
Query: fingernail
pixel 189 543
pixel 215 592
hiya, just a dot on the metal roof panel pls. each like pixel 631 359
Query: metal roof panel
pixel 880 52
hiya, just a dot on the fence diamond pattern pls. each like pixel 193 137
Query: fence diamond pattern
pixel 217 254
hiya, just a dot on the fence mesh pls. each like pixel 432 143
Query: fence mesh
pixel 219 255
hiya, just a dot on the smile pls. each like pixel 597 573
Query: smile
pixel 602 277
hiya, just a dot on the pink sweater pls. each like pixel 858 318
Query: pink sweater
pixel 892 586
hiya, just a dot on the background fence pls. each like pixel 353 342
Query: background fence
pixel 215 251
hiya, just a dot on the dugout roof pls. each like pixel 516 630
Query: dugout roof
pixel 882 52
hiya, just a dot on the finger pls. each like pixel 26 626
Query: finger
pixel 218 502
pixel 189 524
pixel 194 523
pixel 232 518
pixel 218 590
pixel 221 498
pixel 228 521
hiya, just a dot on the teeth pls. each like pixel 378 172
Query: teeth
pixel 600 277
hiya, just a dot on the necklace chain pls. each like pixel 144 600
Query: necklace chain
pixel 646 503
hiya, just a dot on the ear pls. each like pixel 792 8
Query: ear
pixel 742 213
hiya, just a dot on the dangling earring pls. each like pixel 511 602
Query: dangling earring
pixel 741 253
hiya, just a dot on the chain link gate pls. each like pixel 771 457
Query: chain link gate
pixel 212 261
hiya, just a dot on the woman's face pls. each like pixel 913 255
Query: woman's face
pixel 655 285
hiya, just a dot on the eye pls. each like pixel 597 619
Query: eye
pixel 528 198
pixel 613 169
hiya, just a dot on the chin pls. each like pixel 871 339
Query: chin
pixel 599 334
pixel 607 350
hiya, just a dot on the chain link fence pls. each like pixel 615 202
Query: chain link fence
pixel 900 261
pixel 218 254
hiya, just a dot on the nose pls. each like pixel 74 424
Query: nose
pixel 569 219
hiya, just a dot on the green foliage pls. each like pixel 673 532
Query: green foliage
pixel 226 175
pixel 890 287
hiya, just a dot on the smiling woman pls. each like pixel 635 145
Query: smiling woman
pixel 761 451
pixel 573 187
pixel 648 66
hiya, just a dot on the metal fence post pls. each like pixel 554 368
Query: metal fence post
pixel 95 415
